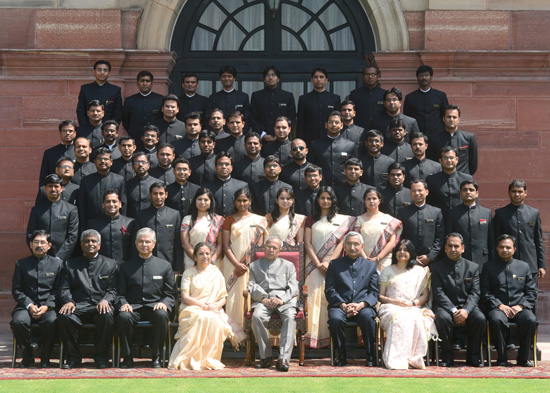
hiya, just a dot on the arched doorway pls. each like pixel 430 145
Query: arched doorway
pixel 295 35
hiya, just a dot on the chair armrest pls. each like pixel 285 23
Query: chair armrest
pixel 245 306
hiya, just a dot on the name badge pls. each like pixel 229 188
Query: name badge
pixel 155 111
pixel 384 175
pixel 169 225
pixel 430 220
pixel 253 225
pixel 103 277
pixel 436 105
pixel 344 154
pixel 380 102
pixel 238 106
pixel 531 224
pixel 463 147
pixel 408 158
pixel 521 278
pixel 330 107
pixel 61 217
pixel 482 221
pixel 50 274
pixel 157 277
pixel 406 203
pixel 282 104
pixel 467 280
pixel 179 137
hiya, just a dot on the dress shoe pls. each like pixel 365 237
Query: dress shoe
pixel 369 361
pixel 282 365
pixel 503 364
pixel 101 364
pixel 26 364
pixel 510 347
pixel 342 362
pixel 156 362
pixel 265 363
pixel 127 363
pixel 44 364
pixel 525 363
pixel 71 363
pixel 448 363
pixel 475 363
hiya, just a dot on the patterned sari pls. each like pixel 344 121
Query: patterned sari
pixel 408 329
pixel 325 238
pixel 284 230
pixel 205 229
pixel 201 333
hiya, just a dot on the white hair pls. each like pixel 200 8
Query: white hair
pixel 353 233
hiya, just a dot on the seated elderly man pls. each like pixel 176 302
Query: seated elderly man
pixel 146 291
pixel 351 288
pixel 273 288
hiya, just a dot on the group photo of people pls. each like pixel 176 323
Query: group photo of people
pixel 153 209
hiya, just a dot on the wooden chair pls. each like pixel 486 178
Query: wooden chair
pixel 296 255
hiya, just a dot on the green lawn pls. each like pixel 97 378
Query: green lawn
pixel 283 385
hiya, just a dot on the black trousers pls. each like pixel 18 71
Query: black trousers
pixel 337 325
pixel 475 329
pixel 104 325
pixel 126 321
pixel 499 325
pixel 21 327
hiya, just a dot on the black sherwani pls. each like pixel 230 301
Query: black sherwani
pixel 445 190
pixel 350 198
pixel 123 168
pixel 117 235
pixel 165 175
pixel 398 152
pixel 233 146
pixel 50 158
pixel 137 194
pixel 304 200
pixel 331 155
pixel 224 192
pixel 107 93
pixel 179 197
pixel 266 105
pixel 369 104
pixel 170 132
pixel 416 169
pixel 203 168
pixel 228 102
pixel 313 109
pixel 353 133
pixel 140 110
pixel 427 108
pixel 382 124
pixel 464 142
pixel 194 103
pixel 91 193
pixel 249 170
pixel 264 194
pixel 375 169
pixel 393 200
pixel 424 227
pixel 187 148
pixel 83 170
pixel 295 175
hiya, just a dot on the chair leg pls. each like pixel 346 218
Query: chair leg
pixel 113 352
pixel 301 347
pixel 428 352
pixel 535 347
pixel 118 352
pixel 14 356
pixel 377 342
pixel 61 354
pixel 488 346
pixel 331 352
pixel 436 353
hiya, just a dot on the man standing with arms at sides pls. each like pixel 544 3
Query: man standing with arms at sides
pixel 280 147
pixel 82 165
pixel 269 104
pixel 163 171
pixel 422 224
pixel 91 130
pixel 57 217
pixel 392 110
pixel 87 292
pixel 464 142
pixel 67 134
pixel 166 223
pixel 305 199
pixel 190 100
pixel 474 223
pixel 204 167
pixel 93 188
pixel 182 191
pixel 396 147
pixel 426 104
pixel 394 196
pixel 137 188
pixel 456 293
pixel 251 167
pixel 375 164
pixel 350 131
pixel 34 289
pixel 117 231
pixel 146 292
pixel 188 146
pixel 509 294
pixel 314 107
pixel 141 108
pixel 420 167
pixel 107 94
pixel 523 222
pixel 230 99
pixel 224 186
pixel 123 165
pixel 369 98
pixel 233 143
pixel 294 172
pixel 170 128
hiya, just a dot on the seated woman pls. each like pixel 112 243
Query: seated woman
pixel 404 289
pixel 283 222
pixel 380 231
pixel 201 225
pixel 203 325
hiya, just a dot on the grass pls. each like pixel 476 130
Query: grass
pixel 283 385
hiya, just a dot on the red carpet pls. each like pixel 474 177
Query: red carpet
pixel 313 368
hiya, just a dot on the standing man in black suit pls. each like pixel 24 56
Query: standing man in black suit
pixel 251 166
pixel 351 289
pixel 123 165
pixel 426 104
pixel 108 95
pixel 395 196
pixel 191 101
pixel 91 130
pixel 293 173
pixel 305 199
pixel 137 188
pixel 146 291
pixel 34 289
pixel 369 98
pixel 170 128
pixel 182 191
pixel 509 294
pixel 67 134
pixel 350 131
pixel 419 167
pixel 315 106
pixel 264 192
pixel 270 103
pixel 141 108
pixel 87 293
pixel 456 293
pixel 351 194
pixel 375 164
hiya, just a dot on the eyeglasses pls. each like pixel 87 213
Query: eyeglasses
pixel 65 166
pixel 333 122
pixel 296 148
pixel 141 162
pixel 270 75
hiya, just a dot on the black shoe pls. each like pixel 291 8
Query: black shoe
pixel 510 347
pixel 525 363
pixel 72 363
pixel 282 365
pixel 369 362
pixel 102 364
pixel 475 363
pixel 44 364
pixel 503 364
pixel 449 363
pixel 156 362
pixel 342 362
pixel 265 363
pixel 127 363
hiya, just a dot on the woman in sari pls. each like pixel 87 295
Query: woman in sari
pixel 404 289
pixel 241 231
pixel 323 236
pixel 380 231
pixel 203 325
pixel 201 225
pixel 283 222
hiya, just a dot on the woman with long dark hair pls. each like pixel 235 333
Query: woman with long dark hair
pixel 282 221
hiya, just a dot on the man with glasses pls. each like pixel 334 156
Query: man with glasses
pixel 392 109
pixel 294 172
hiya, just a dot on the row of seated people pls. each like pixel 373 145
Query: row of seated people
pixel 94 289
